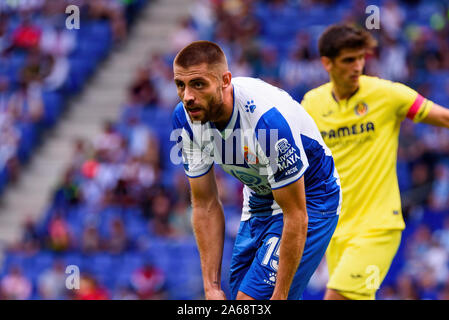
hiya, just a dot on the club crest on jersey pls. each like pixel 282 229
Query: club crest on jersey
pixel 250 157
pixel 361 108
pixel 282 146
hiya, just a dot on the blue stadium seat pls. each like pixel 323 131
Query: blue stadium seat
pixel 53 107
pixel 43 261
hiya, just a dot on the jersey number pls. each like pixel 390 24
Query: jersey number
pixel 273 251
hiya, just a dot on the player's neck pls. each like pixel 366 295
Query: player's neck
pixel 228 106
pixel 343 92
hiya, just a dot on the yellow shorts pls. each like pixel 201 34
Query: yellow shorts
pixel 358 264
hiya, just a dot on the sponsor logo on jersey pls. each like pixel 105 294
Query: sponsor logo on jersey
pixel 250 106
pixel 287 156
pixel 282 146
pixel 249 179
pixel 349 131
pixel 271 279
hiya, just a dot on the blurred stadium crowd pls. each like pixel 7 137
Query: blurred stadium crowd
pixel 122 210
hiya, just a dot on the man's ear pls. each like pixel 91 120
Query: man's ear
pixel 327 63
pixel 227 76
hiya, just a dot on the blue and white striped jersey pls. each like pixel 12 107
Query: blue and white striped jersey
pixel 269 142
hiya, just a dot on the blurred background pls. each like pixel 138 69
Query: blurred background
pixel 85 121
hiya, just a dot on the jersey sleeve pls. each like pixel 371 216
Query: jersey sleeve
pixel 410 103
pixel 196 155
pixel 281 151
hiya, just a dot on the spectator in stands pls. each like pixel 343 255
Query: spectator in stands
pixel 90 289
pixel 9 144
pixel 161 209
pixel 184 35
pixel 68 193
pixel 108 144
pixel 270 65
pixel 420 52
pixel 392 18
pixel 149 282
pixel 240 67
pixel 388 292
pixel 203 17
pixel 27 36
pixel 160 76
pixel 4 94
pixel 182 210
pixel 143 91
pixel 82 151
pixel 90 240
pixel 444 292
pixel 406 288
pixel 439 197
pixel 393 60
pixel 112 11
pixel 436 261
pixel 26 103
pixel 421 185
pixel 117 241
pixel 140 138
pixel 180 219
pixel 425 267
pixel 58 42
pixel 93 194
pixel 59 235
pixel 442 235
pixel 5 38
pixel 15 286
pixel 31 241
pixel 427 285
pixel 125 293
pixel 51 282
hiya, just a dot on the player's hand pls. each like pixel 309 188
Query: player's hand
pixel 215 294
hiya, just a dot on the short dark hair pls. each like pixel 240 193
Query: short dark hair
pixel 342 36
pixel 199 52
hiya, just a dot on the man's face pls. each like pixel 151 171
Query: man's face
pixel 347 67
pixel 200 90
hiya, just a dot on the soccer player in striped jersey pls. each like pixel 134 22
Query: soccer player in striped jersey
pixel 261 136
pixel 359 118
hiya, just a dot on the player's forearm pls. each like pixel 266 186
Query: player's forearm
pixel 294 235
pixel 208 226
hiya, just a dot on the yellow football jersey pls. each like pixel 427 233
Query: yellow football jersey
pixel 362 132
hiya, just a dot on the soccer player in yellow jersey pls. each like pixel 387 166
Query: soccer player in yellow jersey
pixel 359 118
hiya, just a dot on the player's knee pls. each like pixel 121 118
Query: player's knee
pixel 332 294
pixel 243 296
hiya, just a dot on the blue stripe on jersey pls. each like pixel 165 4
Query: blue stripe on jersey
pixel 288 157
pixel 260 204
pixel 322 190
pixel 179 120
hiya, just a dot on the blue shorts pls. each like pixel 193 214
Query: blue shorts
pixel 255 255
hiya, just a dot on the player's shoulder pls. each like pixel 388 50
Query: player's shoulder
pixel 373 81
pixel 179 117
pixel 381 86
pixel 247 89
pixel 180 120
pixel 318 92
pixel 254 97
